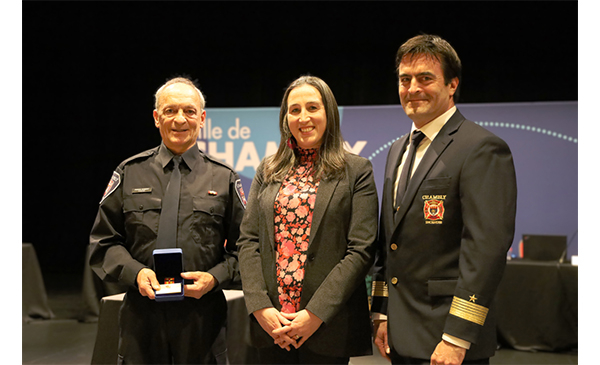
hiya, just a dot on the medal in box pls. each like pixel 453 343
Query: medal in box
pixel 168 266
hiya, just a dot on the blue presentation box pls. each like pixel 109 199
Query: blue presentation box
pixel 168 266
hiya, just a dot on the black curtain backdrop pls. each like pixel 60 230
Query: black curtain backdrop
pixel 90 70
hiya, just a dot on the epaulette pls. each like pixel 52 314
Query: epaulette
pixel 219 162
pixel 140 155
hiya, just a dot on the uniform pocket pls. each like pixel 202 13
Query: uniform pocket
pixel 140 203
pixel 209 206
pixel 142 214
pixel 208 219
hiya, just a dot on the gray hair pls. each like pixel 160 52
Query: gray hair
pixel 179 80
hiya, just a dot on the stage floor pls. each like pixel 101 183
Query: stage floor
pixel 66 340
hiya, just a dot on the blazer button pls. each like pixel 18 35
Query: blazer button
pixel 394 280
pixel 311 257
pixel 141 207
pixel 394 247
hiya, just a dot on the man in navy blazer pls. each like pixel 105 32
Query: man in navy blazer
pixel 444 237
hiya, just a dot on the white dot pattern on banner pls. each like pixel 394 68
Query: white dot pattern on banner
pixel 493 124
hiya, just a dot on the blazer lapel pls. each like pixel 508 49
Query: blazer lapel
pixel 393 161
pixel 437 147
pixel 324 194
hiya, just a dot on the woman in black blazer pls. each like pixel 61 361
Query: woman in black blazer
pixel 307 238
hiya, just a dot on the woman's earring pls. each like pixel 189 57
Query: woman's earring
pixel 291 142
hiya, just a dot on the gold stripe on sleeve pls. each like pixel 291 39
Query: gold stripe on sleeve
pixel 380 289
pixel 469 311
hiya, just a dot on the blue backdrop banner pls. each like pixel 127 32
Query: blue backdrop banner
pixel 542 137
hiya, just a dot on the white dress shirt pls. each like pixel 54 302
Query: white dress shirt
pixel 430 130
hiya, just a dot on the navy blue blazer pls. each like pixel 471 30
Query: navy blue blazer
pixel 443 255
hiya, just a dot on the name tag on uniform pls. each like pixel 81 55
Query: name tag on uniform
pixel 141 190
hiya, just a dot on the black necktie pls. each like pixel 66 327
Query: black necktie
pixel 417 137
pixel 167 224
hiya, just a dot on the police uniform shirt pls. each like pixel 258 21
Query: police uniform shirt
pixel 211 207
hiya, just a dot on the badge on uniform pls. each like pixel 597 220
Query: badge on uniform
pixel 240 192
pixel 113 184
pixel 433 208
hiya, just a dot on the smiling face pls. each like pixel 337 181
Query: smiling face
pixel 306 116
pixel 423 92
pixel 179 117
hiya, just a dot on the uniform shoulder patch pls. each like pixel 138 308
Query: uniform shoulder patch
pixel 113 184
pixel 240 192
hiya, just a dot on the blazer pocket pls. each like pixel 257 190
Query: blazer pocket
pixel 436 183
pixel 441 287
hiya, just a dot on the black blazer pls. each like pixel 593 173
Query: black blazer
pixel 443 256
pixel 340 253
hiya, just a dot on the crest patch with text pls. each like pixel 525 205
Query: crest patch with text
pixel 433 208
pixel 114 182
pixel 240 192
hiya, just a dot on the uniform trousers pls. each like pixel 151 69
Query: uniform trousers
pixel 403 360
pixel 178 332
pixel 277 355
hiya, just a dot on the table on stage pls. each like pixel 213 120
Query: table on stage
pixel 238 352
pixel 537 306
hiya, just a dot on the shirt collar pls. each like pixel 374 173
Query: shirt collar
pixel 432 128
pixel 190 157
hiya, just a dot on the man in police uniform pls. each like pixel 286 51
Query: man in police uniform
pixel 444 234
pixel 124 235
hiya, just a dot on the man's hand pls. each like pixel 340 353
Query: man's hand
pixel 147 283
pixel 380 338
pixel 203 283
pixel 271 319
pixel 303 325
pixel 446 353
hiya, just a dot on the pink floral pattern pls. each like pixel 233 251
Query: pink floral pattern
pixel 294 207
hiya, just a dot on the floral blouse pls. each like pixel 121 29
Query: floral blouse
pixel 294 207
